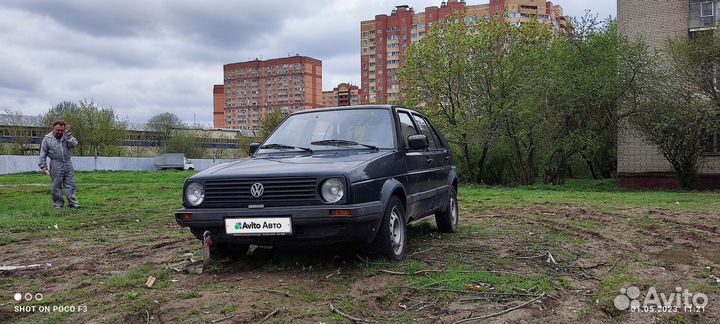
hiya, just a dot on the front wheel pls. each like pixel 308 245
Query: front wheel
pixel 391 239
pixel 447 219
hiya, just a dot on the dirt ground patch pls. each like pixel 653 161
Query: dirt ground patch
pixel 498 260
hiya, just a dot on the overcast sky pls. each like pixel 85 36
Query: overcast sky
pixel 144 57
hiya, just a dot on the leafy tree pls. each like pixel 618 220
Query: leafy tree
pixel 681 107
pixel 165 125
pixel 270 121
pixel 528 97
pixel 471 78
pixel 588 72
pixel 96 128
pixel 183 141
pixel 435 73
pixel 243 144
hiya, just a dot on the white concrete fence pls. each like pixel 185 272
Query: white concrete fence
pixel 25 163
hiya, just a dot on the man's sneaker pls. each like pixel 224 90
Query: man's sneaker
pixel 75 206
pixel 58 207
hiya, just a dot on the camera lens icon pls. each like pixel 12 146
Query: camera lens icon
pixel 28 297
pixel 627 299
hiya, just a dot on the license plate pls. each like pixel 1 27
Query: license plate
pixel 258 226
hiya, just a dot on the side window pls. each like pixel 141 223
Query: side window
pixel 407 127
pixel 426 130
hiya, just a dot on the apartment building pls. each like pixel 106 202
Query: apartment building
pixel 640 164
pixel 344 94
pixel 385 39
pixel 255 88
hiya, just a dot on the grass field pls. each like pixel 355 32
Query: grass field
pixel 602 238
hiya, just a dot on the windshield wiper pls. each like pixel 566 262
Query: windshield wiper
pixel 336 142
pixel 283 146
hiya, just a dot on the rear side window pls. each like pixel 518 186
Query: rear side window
pixel 426 130
pixel 407 127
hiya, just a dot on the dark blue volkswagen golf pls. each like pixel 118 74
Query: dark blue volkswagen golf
pixel 351 174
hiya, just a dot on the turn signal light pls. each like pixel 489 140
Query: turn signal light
pixel 340 212
pixel 186 217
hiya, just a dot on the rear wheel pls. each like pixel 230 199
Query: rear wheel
pixel 447 220
pixel 391 239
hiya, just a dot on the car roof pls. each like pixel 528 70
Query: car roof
pixel 347 108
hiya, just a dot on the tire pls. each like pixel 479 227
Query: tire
pixel 448 219
pixel 391 239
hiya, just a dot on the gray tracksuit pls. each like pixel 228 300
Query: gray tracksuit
pixel 61 169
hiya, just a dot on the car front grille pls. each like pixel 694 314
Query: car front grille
pixel 276 192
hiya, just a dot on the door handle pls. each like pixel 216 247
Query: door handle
pixel 428 160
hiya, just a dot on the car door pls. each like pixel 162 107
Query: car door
pixel 419 180
pixel 437 158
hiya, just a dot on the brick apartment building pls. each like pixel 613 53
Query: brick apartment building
pixel 344 94
pixel 640 164
pixel 255 88
pixel 385 39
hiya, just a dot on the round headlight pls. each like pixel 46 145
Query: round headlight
pixel 194 193
pixel 332 190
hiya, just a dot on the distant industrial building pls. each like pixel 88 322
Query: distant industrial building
pixel 255 88
pixel 385 39
pixel 23 136
pixel 344 94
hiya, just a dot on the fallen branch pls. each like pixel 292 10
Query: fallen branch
pixel 409 273
pixel 581 267
pixel 22 267
pixel 475 299
pixel 423 305
pixel 222 319
pixel 613 266
pixel 352 318
pixel 531 256
pixel 367 261
pixel 418 252
pixel 478 318
pixel 270 315
pixel 286 294
pixel 473 292
pixel 433 270
pixel 336 272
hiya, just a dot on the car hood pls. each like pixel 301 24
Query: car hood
pixel 331 163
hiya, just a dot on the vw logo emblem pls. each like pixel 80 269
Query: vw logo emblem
pixel 257 189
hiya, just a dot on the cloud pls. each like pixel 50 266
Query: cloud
pixel 144 57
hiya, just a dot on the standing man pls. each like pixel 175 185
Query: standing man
pixel 58 146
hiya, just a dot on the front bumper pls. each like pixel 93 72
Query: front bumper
pixel 312 224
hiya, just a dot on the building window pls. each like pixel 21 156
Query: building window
pixel 712 145
pixel 706 9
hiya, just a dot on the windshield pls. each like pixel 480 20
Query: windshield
pixel 323 129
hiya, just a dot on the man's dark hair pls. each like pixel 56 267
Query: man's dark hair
pixel 59 122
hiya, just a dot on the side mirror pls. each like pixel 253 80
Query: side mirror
pixel 254 147
pixel 418 142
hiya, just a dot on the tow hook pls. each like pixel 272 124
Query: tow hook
pixel 207 243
